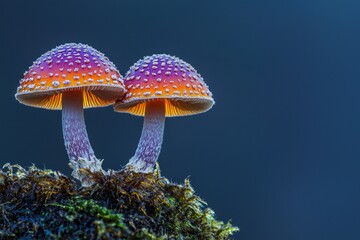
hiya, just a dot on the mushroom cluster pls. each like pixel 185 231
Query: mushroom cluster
pixel 73 76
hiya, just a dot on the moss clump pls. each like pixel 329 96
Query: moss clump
pixel 38 204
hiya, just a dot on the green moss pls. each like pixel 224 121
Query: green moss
pixel 39 204
pixel 97 222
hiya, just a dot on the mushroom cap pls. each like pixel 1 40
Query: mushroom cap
pixel 161 76
pixel 71 67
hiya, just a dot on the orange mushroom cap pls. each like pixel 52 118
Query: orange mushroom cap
pixel 161 76
pixel 71 67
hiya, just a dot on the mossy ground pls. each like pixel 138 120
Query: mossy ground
pixel 44 204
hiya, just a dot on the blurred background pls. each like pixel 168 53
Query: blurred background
pixel 279 152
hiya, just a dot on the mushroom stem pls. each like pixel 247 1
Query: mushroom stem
pixel 148 149
pixel 76 139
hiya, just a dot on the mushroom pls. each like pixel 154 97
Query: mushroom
pixel 69 78
pixel 160 86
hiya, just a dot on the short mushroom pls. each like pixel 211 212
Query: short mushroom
pixel 160 86
pixel 69 78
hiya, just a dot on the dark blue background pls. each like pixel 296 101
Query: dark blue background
pixel 279 153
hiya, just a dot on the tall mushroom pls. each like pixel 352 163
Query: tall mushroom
pixel 160 86
pixel 69 78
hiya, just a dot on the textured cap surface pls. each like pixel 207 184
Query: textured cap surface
pixel 70 67
pixel 161 76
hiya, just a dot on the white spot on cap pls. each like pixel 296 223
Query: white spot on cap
pixel 55 83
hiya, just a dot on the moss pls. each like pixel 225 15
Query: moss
pixel 82 218
pixel 38 204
